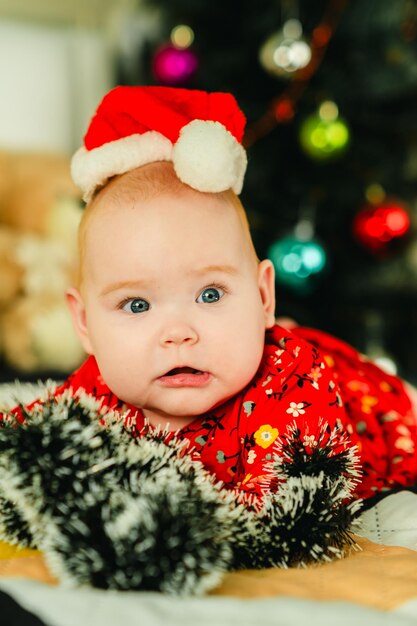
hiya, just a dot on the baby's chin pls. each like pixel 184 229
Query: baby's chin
pixel 183 411
pixel 177 413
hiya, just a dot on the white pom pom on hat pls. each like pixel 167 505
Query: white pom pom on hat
pixel 199 132
pixel 208 157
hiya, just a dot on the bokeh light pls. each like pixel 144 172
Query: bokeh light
pixel 298 263
pixel 182 36
pixel 324 134
pixel 286 51
pixel 174 66
pixel 379 227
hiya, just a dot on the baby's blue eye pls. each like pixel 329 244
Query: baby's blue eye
pixel 136 305
pixel 211 294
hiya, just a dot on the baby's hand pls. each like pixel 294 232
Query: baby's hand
pixel 286 322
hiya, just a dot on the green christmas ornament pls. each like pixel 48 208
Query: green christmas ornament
pixel 324 135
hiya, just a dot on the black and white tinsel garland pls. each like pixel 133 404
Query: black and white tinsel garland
pixel 110 510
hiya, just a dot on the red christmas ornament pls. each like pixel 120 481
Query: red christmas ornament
pixel 381 227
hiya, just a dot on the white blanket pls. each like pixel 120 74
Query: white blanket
pixel 62 607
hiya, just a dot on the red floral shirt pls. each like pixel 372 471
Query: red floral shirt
pixel 306 377
pixel 379 410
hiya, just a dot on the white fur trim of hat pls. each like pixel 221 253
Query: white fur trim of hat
pixel 206 156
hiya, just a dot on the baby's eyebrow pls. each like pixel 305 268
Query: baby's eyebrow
pixel 124 284
pixel 141 284
pixel 207 269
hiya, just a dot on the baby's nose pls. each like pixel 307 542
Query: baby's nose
pixel 177 334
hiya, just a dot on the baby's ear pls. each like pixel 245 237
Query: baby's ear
pixel 76 306
pixel 266 284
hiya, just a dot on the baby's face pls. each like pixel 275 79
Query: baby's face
pixel 173 305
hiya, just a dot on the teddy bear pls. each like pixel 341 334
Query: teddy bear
pixel 40 209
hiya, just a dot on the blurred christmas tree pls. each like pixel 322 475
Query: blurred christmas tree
pixel 329 89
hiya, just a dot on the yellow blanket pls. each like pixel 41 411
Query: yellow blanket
pixel 382 577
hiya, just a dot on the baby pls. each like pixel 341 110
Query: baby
pixel 198 436
pixel 178 314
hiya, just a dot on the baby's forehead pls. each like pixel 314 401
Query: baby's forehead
pixel 184 205
pixel 154 244
pixel 155 193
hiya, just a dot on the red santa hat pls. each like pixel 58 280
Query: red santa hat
pixel 199 132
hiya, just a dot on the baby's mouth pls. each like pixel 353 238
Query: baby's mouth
pixel 184 377
pixel 183 370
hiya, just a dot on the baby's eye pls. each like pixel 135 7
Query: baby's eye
pixel 135 305
pixel 210 294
